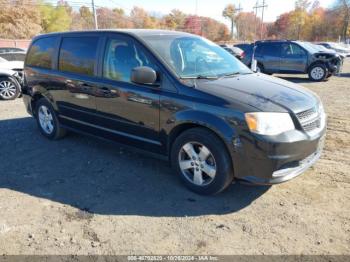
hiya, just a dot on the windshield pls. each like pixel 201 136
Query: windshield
pixel 309 47
pixel 195 57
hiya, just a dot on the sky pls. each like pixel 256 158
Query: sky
pixel 211 8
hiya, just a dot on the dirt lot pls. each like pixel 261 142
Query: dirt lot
pixel 83 196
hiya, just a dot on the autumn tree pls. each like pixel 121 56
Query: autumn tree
pixel 214 30
pixel 230 12
pixel 175 19
pixel 343 9
pixel 248 25
pixel 86 16
pixel 106 18
pixel 19 22
pixel 141 18
pixel 55 19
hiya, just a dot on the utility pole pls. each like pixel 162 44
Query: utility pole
pixel 256 16
pixel 262 18
pixel 256 7
pixel 94 13
pixel 239 9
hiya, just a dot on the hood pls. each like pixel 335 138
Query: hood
pixel 11 65
pixel 8 72
pixel 263 92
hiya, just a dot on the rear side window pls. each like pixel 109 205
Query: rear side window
pixel 271 49
pixel 78 55
pixel 41 52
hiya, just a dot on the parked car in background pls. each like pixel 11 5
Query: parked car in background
pixel 235 51
pixel 247 52
pixel 323 49
pixel 14 56
pixel 11 78
pixel 176 95
pixel 294 57
pixel 337 47
pixel 245 47
pixel 11 49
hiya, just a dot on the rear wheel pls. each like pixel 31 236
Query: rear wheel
pixel 202 161
pixel 47 120
pixel 318 72
pixel 9 88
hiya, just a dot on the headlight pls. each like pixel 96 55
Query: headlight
pixel 269 123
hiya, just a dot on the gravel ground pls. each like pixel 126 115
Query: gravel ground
pixel 83 196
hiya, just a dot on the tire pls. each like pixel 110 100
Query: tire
pixel 318 72
pixel 9 88
pixel 198 174
pixel 47 121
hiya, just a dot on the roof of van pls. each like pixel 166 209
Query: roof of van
pixel 136 32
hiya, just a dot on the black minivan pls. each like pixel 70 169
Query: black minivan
pixel 178 96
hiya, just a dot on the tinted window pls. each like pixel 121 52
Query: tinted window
pixel 41 52
pixel 122 55
pixel 272 49
pixel 78 55
pixel 297 50
pixel 292 49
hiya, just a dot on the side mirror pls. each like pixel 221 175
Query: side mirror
pixel 254 65
pixel 143 75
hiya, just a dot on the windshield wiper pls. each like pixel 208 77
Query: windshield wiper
pixel 199 77
pixel 231 74
pixel 235 73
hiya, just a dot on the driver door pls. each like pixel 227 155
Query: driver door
pixel 294 58
pixel 129 111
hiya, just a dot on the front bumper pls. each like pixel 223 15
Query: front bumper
pixel 266 162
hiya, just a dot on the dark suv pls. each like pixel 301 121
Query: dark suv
pixel 294 57
pixel 178 96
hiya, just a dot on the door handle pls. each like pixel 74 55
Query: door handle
pixel 105 90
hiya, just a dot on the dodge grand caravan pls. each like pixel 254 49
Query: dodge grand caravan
pixel 178 96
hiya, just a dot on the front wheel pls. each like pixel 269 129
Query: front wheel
pixel 318 72
pixel 9 88
pixel 202 161
pixel 47 120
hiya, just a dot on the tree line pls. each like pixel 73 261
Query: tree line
pixel 308 21
pixel 23 19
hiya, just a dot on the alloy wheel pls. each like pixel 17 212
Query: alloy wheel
pixel 7 89
pixel 46 119
pixel 317 73
pixel 197 164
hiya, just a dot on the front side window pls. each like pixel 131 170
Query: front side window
pixel 192 56
pixel 121 56
pixel 78 55
pixel 41 52
pixel 292 50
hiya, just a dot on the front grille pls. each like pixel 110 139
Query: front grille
pixel 310 119
pixel 312 125
pixel 307 114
